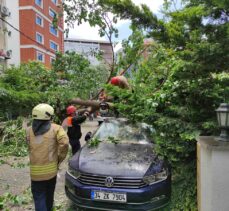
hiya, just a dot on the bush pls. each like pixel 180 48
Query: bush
pixel 13 139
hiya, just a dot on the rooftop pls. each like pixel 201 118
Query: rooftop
pixel 85 41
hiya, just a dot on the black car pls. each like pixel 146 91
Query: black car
pixel 118 170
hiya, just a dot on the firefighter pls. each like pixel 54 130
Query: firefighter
pixel 120 81
pixel 72 125
pixel 48 147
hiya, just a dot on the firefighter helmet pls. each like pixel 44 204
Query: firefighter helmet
pixel 43 111
pixel 114 81
pixel 71 109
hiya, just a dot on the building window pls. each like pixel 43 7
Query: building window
pixel 39 3
pixel 53 46
pixel 39 20
pixel 54 1
pixel 52 13
pixel 40 56
pixel 53 30
pixel 52 60
pixel 39 38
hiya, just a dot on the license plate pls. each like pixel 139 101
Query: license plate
pixel 108 196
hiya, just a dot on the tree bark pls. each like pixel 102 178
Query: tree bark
pixel 94 105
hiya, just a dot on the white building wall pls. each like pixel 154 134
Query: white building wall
pixel 2 41
pixel 213 174
pixel 13 39
pixel 86 49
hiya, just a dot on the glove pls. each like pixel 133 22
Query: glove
pixel 86 113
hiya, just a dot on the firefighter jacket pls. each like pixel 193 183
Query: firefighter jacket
pixel 46 152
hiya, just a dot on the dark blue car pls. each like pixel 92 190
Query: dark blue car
pixel 118 170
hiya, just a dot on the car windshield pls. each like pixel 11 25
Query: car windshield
pixel 123 131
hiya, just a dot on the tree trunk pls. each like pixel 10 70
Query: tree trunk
pixel 94 105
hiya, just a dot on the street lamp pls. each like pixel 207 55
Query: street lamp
pixel 223 121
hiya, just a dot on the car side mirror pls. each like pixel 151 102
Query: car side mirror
pixel 88 136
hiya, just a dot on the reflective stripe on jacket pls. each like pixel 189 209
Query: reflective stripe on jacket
pixel 46 151
pixel 41 169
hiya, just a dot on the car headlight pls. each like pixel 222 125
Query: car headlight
pixel 150 179
pixel 73 172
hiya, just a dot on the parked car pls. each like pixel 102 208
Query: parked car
pixel 118 170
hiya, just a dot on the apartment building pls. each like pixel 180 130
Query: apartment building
pixel 29 33
pixel 40 39
pixel 88 48
pixel 13 36
pixel 5 53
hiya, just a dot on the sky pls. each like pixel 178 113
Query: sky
pixel 84 31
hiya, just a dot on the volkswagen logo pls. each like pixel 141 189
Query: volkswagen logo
pixel 109 182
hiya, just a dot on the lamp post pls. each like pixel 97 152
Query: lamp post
pixel 223 121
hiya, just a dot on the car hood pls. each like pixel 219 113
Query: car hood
pixel 124 160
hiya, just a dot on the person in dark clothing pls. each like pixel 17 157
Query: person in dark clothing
pixel 73 127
